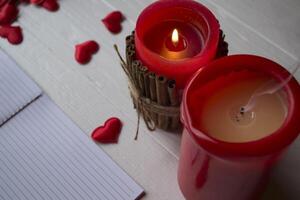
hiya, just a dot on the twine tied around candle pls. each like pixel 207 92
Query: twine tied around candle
pixel 135 94
pixel 156 98
pixel 143 105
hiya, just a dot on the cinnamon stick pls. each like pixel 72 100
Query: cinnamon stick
pixel 142 70
pixel 130 55
pixel 129 40
pixel 162 99
pixel 153 94
pixel 147 84
pixel 136 64
pixel 174 101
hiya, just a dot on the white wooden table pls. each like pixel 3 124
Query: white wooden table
pixel 90 94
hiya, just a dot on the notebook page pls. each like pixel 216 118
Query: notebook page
pixel 44 155
pixel 16 89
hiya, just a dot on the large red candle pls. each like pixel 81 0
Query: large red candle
pixel 213 168
pixel 175 38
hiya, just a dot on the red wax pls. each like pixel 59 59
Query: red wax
pixel 198 38
pixel 213 169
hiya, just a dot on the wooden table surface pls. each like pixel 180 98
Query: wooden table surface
pixel 92 93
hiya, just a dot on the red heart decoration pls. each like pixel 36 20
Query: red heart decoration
pixel 8 13
pixel 36 1
pixel 2 2
pixel 109 132
pixel 12 33
pixel 113 21
pixel 50 5
pixel 84 51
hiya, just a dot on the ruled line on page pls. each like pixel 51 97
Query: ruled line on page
pixel 56 176
pixel 33 164
pixel 44 155
pixel 19 110
pixel 14 180
pixel 69 163
pixel 16 89
pixel 55 155
pixel 80 149
pixel 25 170
pixel 16 83
pixel 82 158
pixel 94 153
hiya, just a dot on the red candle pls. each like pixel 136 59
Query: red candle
pixel 234 165
pixel 175 38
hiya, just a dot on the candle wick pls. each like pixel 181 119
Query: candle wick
pixel 175 43
pixel 242 110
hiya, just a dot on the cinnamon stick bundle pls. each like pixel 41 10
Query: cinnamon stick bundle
pixel 159 96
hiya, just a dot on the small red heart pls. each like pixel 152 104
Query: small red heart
pixel 2 2
pixel 113 21
pixel 109 132
pixel 50 5
pixel 37 2
pixel 12 33
pixel 8 13
pixel 84 51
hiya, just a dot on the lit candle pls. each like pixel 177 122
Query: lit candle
pixel 227 152
pixel 174 47
pixel 175 38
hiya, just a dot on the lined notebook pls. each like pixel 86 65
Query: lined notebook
pixel 44 155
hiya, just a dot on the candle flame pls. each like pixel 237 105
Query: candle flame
pixel 175 36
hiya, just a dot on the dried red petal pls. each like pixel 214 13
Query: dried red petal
pixel 84 51
pixel 12 33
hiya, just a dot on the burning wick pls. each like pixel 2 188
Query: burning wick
pixel 176 42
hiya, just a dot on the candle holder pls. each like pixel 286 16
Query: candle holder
pixel 211 167
pixel 155 97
